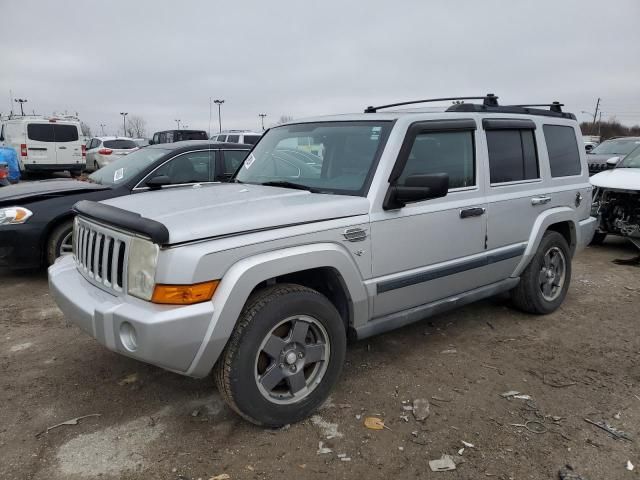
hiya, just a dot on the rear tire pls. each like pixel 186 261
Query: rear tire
pixel 59 241
pixel 544 283
pixel 283 357
pixel 598 238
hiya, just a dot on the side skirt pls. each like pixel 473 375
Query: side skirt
pixel 415 314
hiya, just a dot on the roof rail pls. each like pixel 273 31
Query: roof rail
pixel 554 106
pixel 489 100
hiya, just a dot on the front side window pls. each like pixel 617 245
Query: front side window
pixel 41 132
pixel 442 152
pixel 564 157
pixel 168 137
pixel 222 138
pixel 127 167
pixel 331 157
pixel 233 138
pixel 192 167
pixel 512 155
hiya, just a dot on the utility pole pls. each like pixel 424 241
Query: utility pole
pixel 124 123
pixel 595 114
pixel 210 107
pixel 600 123
pixel 219 103
pixel 102 125
pixel 178 122
pixel 21 101
pixel 262 115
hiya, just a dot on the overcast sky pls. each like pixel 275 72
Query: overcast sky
pixel 164 60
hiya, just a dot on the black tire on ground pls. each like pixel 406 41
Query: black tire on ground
pixel 528 295
pixel 54 242
pixel 237 371
pixel 598 238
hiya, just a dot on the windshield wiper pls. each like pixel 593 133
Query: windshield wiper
pixel 285 184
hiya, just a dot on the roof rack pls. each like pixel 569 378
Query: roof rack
pixel 489 100
pixel 554 107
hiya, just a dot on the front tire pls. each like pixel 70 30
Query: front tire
pixel 544 283
pixel 283 357
pixel 59 242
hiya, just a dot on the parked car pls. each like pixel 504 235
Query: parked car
pixel 262 280
pixel 616 200
pixel 610 152
pixel 45 143
pixel 237 136
pixel 102 151
pixel 36 220
pixel 171 136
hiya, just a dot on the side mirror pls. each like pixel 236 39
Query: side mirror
pixel 612 162
pixel 415 189
pixel 158 182
pixel 588 148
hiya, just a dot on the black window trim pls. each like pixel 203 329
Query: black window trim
pixel 513 124
pixel 138 188
pixel 439 126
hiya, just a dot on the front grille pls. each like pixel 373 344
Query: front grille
pixel 101 254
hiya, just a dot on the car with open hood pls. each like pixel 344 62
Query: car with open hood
pixel 36 220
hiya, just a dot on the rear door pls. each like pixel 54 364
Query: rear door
pixel 41 144
pixel 68 144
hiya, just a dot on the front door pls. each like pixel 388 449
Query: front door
pixel 431 249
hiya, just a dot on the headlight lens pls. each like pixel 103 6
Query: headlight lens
pixel 143 257
pixel 14 215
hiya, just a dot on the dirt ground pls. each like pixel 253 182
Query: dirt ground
pixel 581 362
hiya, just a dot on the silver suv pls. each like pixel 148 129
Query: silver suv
pixel 398 215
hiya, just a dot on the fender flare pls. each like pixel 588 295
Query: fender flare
pixel 540 226
pixel 239 281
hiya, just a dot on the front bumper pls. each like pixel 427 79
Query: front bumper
pixel 586 229
pixel 20 245
pixel 166 336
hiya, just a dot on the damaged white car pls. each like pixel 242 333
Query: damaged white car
pixel 616 202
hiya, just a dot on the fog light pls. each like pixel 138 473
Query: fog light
pixel 128 336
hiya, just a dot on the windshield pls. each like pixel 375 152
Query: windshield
pixel 125 168
pixel 621 146
pixel 332 157
pixel 632 160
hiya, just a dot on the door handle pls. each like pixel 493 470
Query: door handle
pixel 540 200
pixel 472 212
pixel 62 148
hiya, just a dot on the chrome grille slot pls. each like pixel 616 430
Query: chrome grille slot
pixel 100 254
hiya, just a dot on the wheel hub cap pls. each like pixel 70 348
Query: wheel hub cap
pixel 291 358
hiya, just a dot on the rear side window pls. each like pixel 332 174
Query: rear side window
pixel 232 160
pixel 124 144
pixel 65 133
pixel 251 139
pixel 191 136
pixel 442 152
pixel 512 155
pixel 222 138
pixel 233 138
pixel 564 157
pixel 41 132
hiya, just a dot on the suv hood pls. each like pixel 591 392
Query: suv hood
pixel 193 213
pixel 618 178
pixel 33 191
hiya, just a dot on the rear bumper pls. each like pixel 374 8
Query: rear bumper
pixel 166 336
pixel 586 229
pixel 53 167
pixel 20 246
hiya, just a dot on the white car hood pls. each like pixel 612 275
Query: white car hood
pixel 618 178
pixel 226 209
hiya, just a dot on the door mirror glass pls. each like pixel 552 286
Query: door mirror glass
pixel 417 188
pixel 158 182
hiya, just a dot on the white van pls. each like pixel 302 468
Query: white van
pixel 45 144
pixel 237 136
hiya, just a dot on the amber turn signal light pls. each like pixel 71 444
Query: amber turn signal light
pixel 184 294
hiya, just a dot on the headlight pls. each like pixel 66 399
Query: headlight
pixel 14 215
pixel 143 257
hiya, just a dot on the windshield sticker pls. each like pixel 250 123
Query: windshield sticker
pixel 375 133
pixel 118 174
pixel 249 161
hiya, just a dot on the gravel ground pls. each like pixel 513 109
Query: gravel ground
pixel 580 362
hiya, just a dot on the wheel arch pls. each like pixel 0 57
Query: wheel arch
pixel 48 230
pixel 561 220
pixel 308 265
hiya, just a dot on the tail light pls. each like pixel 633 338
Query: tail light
pixel 84 151
pixel 105 151
pixel 23 149
pixel 4 171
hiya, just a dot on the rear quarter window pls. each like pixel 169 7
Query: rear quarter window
pixel 564 156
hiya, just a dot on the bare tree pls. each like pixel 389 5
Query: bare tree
pixel 86 129
pixel 136 127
